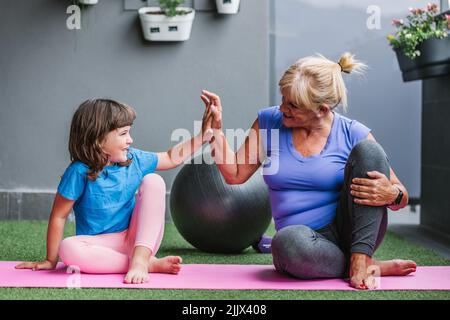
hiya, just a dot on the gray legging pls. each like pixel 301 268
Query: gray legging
pixel 304 253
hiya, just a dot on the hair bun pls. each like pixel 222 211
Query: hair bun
pixel 349 64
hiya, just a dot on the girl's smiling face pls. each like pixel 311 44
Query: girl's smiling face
pixel 116 144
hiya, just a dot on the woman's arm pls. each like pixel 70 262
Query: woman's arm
pixel 55 232
pixel 236 168
pixel 405 199
pixel 379 190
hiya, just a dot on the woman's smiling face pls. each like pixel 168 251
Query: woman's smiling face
pixel 295 116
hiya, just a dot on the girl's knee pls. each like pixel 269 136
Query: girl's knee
pixel 69 250
pixel 153 182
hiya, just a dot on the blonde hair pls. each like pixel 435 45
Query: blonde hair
pixel 316 80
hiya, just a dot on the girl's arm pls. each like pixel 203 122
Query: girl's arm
pixel 61 209
pixel 184 150
pixel 179 153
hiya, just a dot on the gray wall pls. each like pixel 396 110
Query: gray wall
pixel 435 202
pixel 46 70
pixel 391 108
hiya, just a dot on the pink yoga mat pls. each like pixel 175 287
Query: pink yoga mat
pixel 214 276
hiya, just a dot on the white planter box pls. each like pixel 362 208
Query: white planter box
pixel 88 1
pixel 159 27
pixel 227 6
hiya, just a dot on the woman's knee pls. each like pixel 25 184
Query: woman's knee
pixel 368 155
pixel 291 246
pixel 152 182
pixel 300 252
pixel 290 235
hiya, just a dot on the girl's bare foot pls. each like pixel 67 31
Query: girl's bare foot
pixel 138 271
pixel 363 269
pixel 142 263
pixel 169 264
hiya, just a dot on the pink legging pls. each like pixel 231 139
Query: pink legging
pixel 111 252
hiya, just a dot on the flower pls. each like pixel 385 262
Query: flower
pixel 416 10
pixel 420 25
pixel 397 22
pixel 432 7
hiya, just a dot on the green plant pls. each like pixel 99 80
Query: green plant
pixel 169 7
pixel 421 24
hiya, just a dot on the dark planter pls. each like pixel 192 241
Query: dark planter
pixel 434 60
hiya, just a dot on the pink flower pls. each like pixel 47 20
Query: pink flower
pixel 397 22
pixel 432 7
pixel 416 10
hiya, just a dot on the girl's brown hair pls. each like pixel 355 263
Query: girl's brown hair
pixel 92 121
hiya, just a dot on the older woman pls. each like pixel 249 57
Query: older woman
pixel 332 184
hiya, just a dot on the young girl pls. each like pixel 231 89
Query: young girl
pixel 117 230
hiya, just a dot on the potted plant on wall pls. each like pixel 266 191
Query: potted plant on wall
pixel 88 2
pixel 227 6
pixel 167 22
pixel 422 44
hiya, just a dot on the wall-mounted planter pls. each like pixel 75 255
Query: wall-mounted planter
pixel 227 6
pixel 90 2
pixel 434 60
pixel 156 26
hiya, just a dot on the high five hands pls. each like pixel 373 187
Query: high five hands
pixel 212 119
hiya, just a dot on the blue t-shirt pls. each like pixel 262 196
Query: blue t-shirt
pixel 306 190
pixel 106 204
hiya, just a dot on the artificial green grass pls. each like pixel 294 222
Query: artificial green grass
pixel 25 241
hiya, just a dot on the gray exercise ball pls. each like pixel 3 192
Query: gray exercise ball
pixel 217 217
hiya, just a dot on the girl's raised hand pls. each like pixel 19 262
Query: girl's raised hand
pixel 207 131
pixel 35 266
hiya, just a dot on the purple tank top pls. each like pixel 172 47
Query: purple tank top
pixel 305 190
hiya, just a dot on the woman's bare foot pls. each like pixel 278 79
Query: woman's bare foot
pixel 169 264
pixel 139 265
pixel 396 267
pixel 359 277
pixel 363 269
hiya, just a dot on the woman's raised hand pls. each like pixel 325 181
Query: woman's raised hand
pixel 40 265
pixel 207 132
pixel 213 101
